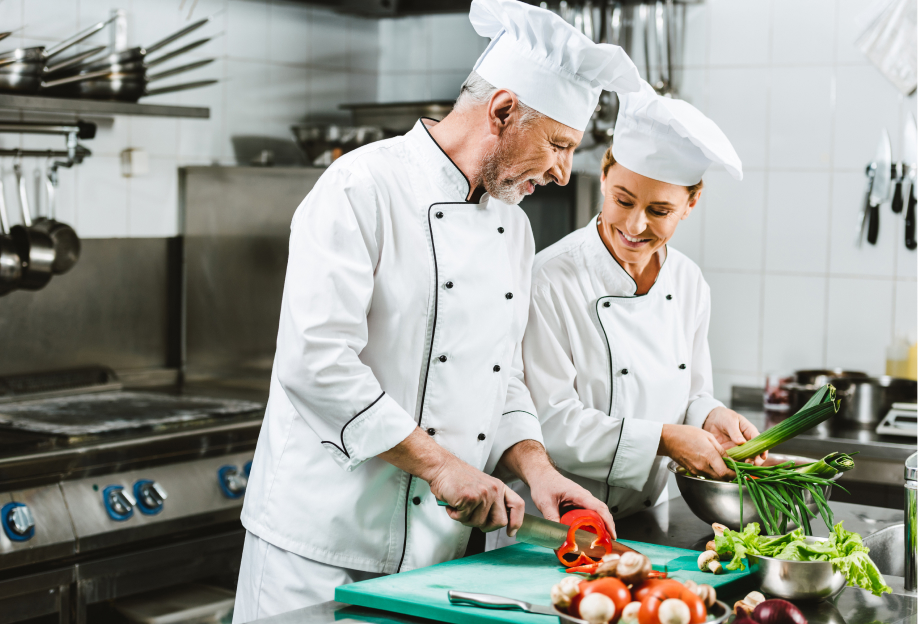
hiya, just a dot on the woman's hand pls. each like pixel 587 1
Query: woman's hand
pixel 695 449
pixel 732 429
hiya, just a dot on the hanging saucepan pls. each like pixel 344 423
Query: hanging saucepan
pixel 42 54
pixel 35 248
pixel 113 64
pixel 63 237
pixel 139 53
pixel 27 76
pixel 125 87
pixel 10 263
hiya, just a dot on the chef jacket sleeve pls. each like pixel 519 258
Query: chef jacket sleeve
pixel 581 440
pixel 518 421
pixel 701 393
pixel 334 249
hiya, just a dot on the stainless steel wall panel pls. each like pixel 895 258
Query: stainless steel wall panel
pixel 111 309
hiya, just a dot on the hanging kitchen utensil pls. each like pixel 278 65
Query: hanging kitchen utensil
pixel 614 23
pixel 35 248
pixel 909 176
pixel 659 20
pixel 10 262
pixel 910 242
pixel 64 238
pixel 42 54
pixel 871 173
pixel 643 10
pixel 899 172
pixel 880 190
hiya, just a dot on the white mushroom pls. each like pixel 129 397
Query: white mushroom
pixel 718 529
pixel 754 598
pixel 630 613
pixel 633 568
pixel 564 592
pixel 674 611
pixel 711 546
pixel 597 608
pixel 690 584
pixel 748 604
pixel 709 562
pixel 609 565
pixel 707 594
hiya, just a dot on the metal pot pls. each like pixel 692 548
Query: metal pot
pixel 126 86
pixel 866 401
pixel 10 263
pixel 121 63
pixel 35 248
pixel 820 377
pixel 64 238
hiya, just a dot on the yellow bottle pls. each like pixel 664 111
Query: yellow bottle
pixel 911 368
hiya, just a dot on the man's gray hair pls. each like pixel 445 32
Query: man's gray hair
pixel 476 91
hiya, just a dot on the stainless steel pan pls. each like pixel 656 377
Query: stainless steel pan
pixel 114 63
pixel 35 248
pixel 10 263
pixel 123 86
pixel 27 76
pixel 139 53
pixel 43 54
pixel 63 237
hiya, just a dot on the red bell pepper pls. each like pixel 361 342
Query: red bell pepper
pixel 591 522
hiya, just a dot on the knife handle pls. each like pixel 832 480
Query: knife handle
pixel 486 601
pixel 897 198
pixel 873 224
pixel 910 242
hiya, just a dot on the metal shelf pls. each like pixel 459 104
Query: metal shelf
pixel 33 103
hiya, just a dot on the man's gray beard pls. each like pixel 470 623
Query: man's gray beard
pixel 493 165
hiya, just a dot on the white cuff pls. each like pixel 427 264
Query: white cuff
pixel 636 452
pixel 514 427
pixel 699 409
pixel 376 429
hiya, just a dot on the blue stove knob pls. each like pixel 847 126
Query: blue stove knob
pixel 232 481
pixel 118 502
pixel 17 521
pixel 150 496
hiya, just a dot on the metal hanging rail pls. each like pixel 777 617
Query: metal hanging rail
pixel 75 153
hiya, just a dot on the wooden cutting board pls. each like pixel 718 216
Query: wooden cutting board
pixel 520 571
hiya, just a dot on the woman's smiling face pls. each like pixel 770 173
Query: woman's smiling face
pixel 641 214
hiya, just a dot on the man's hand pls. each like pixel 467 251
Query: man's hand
pixel 550 490
pixel 696 450
pixel 732 429
pixel 475 499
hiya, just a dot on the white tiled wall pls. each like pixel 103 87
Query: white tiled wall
pixel 278 63
pixel 804 110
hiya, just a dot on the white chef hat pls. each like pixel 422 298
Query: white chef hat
pixel 546 62
pixel 669 140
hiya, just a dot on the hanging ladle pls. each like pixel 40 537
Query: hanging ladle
pixel 10 263
pixel 63 237
pixel 35 248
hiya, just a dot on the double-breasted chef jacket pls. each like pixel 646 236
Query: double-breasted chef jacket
pixel 404 305
pixel 608 368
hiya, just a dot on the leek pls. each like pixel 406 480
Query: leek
pixel 819 408
pixel 829 466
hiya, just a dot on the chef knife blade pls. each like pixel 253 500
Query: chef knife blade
pixel 865 211
pixel 881 184
pixel 548 534
pixel 490 601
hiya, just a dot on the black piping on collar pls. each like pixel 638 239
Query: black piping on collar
pixel 467 183
pixel 611 255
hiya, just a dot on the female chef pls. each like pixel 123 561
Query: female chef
pixel 616 350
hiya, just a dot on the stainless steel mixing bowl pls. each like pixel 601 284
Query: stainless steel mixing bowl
pixel 797 580
pixel 718 501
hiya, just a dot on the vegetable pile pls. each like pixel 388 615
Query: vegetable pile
pixel 779 492
pixel 624 591
pixel 844 549
pixel 754 609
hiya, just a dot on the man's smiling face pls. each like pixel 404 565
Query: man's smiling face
pixel 529 155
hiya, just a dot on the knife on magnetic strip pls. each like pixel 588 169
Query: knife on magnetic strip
pixel 547 534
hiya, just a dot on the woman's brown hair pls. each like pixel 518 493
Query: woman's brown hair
pixel 608 160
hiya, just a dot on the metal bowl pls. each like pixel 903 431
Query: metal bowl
pixel 720 613
pixel 718 501
pixel 797 580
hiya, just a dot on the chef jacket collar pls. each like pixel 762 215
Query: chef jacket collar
pixel 614 274
pixel 439 167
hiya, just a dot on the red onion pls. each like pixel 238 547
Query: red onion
pixel 778 612
pixel 744 620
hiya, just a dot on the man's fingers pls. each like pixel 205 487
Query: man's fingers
pixel 515 510
pixel 748 429
pixel 717 446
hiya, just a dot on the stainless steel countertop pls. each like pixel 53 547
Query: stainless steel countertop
pixel 673 524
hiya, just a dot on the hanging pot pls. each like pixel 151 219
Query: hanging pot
pixel 35 248
pixel 10 263
pixel 63 237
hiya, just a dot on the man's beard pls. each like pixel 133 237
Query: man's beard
pixel 496 172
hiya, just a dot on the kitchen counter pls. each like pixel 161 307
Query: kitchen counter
pixel 673 524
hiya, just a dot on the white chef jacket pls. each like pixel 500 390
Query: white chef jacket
pixel 403 306
pixel 607 368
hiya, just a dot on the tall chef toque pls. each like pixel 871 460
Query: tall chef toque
pixel 546 62
pixel 669 140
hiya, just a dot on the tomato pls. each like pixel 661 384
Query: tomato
pixel 663 590
pixel 609 586
pixel 640 591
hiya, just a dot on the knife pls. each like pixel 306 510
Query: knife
pixel 488 601
pixel 910 176
pixel 880 188
pixel 548 534
pixel 871 173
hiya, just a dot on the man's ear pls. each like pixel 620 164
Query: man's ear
pixel 502 108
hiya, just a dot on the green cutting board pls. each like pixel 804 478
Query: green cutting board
pixel 520 571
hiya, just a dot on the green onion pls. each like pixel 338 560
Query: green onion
pixel 829 466
pixel 819 408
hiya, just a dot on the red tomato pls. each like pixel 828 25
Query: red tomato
pixel 609 586
pixel 640 591
pixel 663 590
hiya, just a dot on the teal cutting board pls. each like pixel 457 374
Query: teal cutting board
pixel 520 571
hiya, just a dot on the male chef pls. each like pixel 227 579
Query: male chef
pixel 398 378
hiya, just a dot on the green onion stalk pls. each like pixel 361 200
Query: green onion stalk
pixel 829 466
